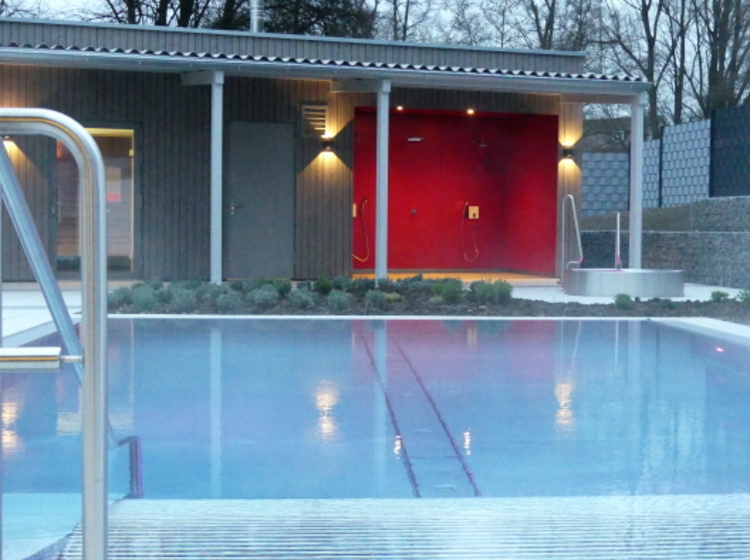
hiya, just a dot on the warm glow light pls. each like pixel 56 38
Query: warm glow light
pixel 467 441
pixel 564 395
pixel 719 349
pixel 10 440
pixel 8 142
pixel 326 397
pixel 469 111
pixel 400 108
pixel 397 446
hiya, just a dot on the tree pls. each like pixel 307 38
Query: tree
pixel 719 76
pixel 339 18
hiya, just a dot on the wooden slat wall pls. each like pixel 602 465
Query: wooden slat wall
pixel 172 198
pixel 202 41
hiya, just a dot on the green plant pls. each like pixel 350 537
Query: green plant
pixel 119 298
pixel 337 300
pixel 228 302
pixel 302 299
pixel 667 303
pixel 393 297
pixel 624 302
pixel 144 298
pixel 237 285
pixel 208 293
pixel 452 290
pixel 743 297
pixel 375 299
pixel 323 285
pixel 360 286
pixel 184 300
pixel 486 293
pixel 718 296
pixel 385 285
pixel 343 283
pixel 263 298
pixel 283 286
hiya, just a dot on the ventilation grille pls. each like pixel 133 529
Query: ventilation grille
pixel 612 527
pixel 314 120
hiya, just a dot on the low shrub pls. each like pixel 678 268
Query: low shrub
pixel 385 285
pixel 342 283
pixel 302 299
pixel 491 293
pixel 744 297
pixel 624 302
pixel 375 299
pixel 360 286
pixel 184 300
pixel 337 300
pixel 323 285
pixel 144 298
pixel 283 286
pixel 263 298
pixel 229 301
pixel 393 297
pixel 119 298
pixel 208 293
pixel 718 296
pixel 452 290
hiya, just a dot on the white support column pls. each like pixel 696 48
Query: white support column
pixel 637 112
pixel 381 181
pixel 217 171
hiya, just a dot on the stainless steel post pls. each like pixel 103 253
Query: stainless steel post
pixel 94 290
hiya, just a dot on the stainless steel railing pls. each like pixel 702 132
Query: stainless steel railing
pixel 93 344
pixel 567 264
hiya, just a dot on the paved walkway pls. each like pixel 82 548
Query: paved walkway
pixel 25 317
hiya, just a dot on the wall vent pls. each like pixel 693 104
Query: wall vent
pixel 314 120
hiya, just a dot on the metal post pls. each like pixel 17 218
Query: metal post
pixel 637 111
pixel 94 291
pixel 217 133
pixel 381 180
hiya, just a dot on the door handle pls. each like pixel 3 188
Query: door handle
pixel 233 207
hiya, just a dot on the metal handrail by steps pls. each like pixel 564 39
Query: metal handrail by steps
pixel 566 265
pixel 89 354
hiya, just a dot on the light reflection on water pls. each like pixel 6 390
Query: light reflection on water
pixel 340 409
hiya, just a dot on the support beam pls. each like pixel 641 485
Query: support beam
pixel 637 112
pixel 216 243
pixel 381 181
pixel 217 171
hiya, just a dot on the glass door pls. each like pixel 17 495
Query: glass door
pixel 117 147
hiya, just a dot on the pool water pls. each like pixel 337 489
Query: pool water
pixel 305 408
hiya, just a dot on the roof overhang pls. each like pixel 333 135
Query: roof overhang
pixel 573 88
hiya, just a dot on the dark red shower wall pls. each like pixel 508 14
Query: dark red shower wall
pixel 505 164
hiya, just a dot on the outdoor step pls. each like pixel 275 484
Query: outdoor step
pixel 617 527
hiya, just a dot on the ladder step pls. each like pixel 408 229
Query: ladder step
pixel 40 358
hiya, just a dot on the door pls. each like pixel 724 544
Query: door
pixel 259 203
pixel 117 150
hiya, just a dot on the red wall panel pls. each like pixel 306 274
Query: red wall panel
pixel 505 164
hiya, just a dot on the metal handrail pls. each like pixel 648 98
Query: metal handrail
pixel 89 161
pixel 566 265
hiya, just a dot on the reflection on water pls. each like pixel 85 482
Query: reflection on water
pixel 564 418
pixel 10 438
pixel 326 397
pixel 347 409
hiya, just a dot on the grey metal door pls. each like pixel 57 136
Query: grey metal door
pixel 259 203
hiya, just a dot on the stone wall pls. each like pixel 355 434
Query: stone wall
pixel 716 250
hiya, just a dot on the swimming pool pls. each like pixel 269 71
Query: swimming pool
pixel 374 409
pixel 405 408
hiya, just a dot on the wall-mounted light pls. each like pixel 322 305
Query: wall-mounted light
pixel 7 138
pixel 567 153
pixel 326 143
pixel 399 107
pixel 470 111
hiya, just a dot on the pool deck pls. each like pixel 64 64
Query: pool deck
pixel 25 316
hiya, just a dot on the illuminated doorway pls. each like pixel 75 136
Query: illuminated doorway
pixel 117 147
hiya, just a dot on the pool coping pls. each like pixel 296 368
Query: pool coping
pixel 734 332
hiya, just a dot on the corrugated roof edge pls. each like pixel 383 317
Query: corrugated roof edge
pixel 328 62
pixel 280 36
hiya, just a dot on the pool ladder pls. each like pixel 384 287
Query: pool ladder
pixel 89 354
pixel 568 198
